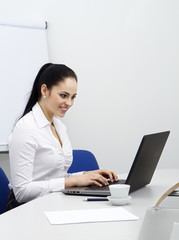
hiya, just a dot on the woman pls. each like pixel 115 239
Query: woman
pixel 39 149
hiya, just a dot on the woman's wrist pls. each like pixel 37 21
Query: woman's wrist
pixel 71 181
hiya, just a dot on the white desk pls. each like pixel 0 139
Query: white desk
pixel 28 221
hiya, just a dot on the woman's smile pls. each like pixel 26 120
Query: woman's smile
pixel 63 109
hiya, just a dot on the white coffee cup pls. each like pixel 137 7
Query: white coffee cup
pixel 119 191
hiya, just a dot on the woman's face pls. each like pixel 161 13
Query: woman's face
pixel 59 98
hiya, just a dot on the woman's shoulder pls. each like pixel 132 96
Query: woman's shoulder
pixel 25 123
pixel 24 131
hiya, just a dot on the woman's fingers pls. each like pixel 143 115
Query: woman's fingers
pixel 97 177
pixel 99 180
pixel 109 174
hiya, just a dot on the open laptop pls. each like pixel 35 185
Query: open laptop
pixel 141 171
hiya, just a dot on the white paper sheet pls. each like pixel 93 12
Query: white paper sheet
pixel 90 215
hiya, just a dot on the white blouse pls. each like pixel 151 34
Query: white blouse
pixel 38 163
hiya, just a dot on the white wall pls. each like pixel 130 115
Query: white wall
pixel 126 56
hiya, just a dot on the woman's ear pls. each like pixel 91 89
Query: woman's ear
pixel 44 90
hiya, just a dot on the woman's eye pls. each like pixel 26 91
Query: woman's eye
pixel 62 95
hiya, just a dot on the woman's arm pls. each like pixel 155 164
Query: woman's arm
pixel 22 151
pixel 97 177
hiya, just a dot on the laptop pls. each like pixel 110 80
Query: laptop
pixel 142 169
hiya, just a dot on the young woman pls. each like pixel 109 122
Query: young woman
pixel 39 148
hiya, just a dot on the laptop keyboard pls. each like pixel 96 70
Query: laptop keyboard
pixel 105 188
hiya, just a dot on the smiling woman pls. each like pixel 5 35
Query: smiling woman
pixel 40 152
pixel 49 77
pixel 59 98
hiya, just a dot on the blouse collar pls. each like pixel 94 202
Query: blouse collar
pixel 39 116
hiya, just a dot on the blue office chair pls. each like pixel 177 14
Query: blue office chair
pixel 3 190
pixel 83 160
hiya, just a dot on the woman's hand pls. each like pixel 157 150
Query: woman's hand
pixel 97 177
pixel 106 173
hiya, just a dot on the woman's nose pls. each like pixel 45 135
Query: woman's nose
pixel 69 102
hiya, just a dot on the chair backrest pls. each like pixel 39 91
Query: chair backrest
pixel 3 190
pixel 83 160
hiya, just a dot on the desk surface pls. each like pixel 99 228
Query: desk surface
pixel 28 221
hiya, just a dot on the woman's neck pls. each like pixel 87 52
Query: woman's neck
pixel 47 114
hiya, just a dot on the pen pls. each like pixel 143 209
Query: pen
pixel 96 199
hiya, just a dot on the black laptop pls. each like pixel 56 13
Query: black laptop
pixel 142 169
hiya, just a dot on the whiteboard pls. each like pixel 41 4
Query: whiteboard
pixel 23 50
